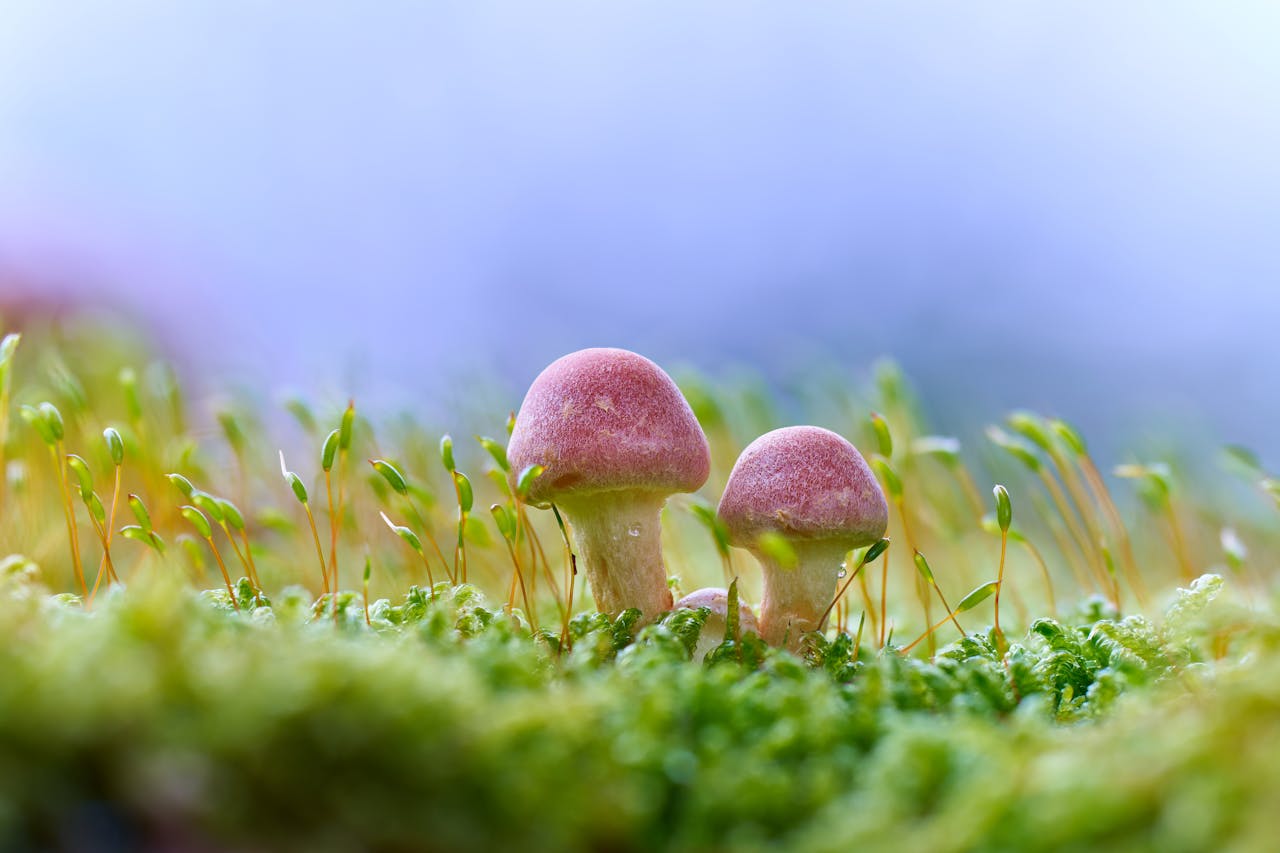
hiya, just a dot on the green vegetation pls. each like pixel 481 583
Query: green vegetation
pixel 355 656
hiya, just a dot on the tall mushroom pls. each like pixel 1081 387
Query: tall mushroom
pixel 814 489
pixel 616 438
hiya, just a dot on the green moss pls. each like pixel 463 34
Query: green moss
pixel 164 715
pixel 446 725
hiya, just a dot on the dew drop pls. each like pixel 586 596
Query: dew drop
pixel 841 573
pixel 634 529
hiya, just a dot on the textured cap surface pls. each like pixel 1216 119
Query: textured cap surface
pixel 803 482
pixel 716 599
pixel 604 420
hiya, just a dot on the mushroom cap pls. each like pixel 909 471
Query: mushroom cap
pixel 603 420
pixel 716 599
pixel 805 483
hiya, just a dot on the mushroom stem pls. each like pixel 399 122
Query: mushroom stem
pixel 796 599
pixel 619 538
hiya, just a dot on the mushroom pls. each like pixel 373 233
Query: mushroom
pixel 615 438
pixel 814 489
pixel 716 599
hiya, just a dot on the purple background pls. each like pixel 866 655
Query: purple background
pixel 1071 208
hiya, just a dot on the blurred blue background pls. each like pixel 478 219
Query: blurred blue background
pixel 1071 208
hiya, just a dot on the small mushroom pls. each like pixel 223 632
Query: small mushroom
pixel 615 438
pixel 716 599
pixel 814 489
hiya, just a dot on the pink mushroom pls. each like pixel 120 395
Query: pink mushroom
pixel 616 438
pixel 814 489
pixel 716 599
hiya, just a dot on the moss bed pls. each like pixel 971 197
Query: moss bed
pixel 1136 709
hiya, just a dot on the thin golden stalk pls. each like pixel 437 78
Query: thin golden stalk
pixel 535 552
pixel 1044 571
pixel 69 509
pixel 226 577
pixel 244 563
pixel 868 606
pixel 106 557
pixel 857 641
pixel 951 613
pixel 1179 543
pixel 884 588
pixel 367 621
pixel 571 575
pixel 105 565
pixel 248 552
pixel 519 575
pixel 1064 544
pixel 1004 547
pixel 333 529
pixel 840 594
pixel 925 635
pixel 459 547
pixel 970 490
pixel 111 525
pixel 426 531
pixel 922 591
pixel 1103 495
pixel 431 581
pixel 1080 537
pixel 315 535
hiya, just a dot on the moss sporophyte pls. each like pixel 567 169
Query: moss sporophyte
pixel 424 704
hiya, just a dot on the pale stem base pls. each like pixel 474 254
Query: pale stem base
pixel 795 599
pixel 619 541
